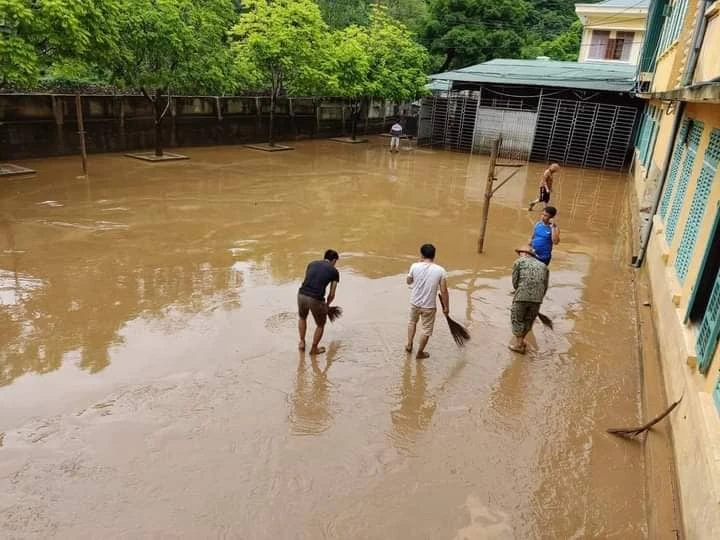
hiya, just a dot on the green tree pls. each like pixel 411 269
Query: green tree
pixel 380 60
pixel 343 13
pixel 411 13
pixel 565 46
pixel 281 45
pixel 33 34
pixel 350 69
pixel 173 46
pixel 466 32
pixel 398 64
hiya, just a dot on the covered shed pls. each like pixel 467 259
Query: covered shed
pixel 580 114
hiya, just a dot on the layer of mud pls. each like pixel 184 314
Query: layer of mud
pixel 150 383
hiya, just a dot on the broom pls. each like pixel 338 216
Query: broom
pixel 334 313
pixel 547 321
pixel 459 334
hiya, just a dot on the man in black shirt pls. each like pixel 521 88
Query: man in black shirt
pixel 311 297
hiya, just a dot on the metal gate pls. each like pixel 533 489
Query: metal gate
pixel 515 126
pixel 583 134
pixel 448 122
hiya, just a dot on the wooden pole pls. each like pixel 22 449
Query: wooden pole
pixel 81 132
pixel 488 192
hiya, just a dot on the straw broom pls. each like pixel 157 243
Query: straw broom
pixel 459 334
pixel 547 321
pixel 334 313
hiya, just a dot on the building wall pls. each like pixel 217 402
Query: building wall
pixel 696 424
pixel 708 66
pixel 674 261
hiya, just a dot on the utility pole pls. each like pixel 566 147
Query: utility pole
pixel 81 132
pixel 488 192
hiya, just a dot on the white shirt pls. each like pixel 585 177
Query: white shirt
pixel 426 281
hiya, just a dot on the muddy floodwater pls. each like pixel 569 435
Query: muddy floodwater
pixel 151 386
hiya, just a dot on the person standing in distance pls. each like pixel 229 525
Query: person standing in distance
pixel 395 134
pixel 530 281
pixel 545 235
pixel 425 278
pixel 311 297
pixel 546 183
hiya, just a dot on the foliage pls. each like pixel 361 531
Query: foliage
pixel 343 13
pixel 563 47
pixel 465 32
pixel 281 44
pixel 411 13
pixel 350 63
pixel 398 65
pixel 178 46
pixel 34 33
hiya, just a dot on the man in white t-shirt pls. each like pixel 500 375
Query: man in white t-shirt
pixel 395 134
pixel 425 278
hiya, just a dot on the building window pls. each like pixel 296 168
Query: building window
pixel 695 218
pixel 691 143
pixel 673 24
pixel 611 45
pixel 704 304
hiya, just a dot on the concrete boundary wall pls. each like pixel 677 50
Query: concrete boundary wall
pixel 39 125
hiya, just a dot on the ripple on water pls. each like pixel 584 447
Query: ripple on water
pixel 280 322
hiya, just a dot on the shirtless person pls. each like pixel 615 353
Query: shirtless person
pixel 426 278
pixel 311 297
pixel 546 183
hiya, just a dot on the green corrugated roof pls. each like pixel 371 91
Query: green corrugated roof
pixel 585 75
pixel 438 85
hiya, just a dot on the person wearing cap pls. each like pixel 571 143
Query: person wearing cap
pixel 530 281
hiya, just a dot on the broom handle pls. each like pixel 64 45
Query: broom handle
pixel 442 303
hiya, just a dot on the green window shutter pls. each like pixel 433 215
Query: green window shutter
pixel 656 16
pixel 716 394
pixel 697 208
pixel 672 172
pixel 642 135
pixel 679 199
pixel 653 137
pixel 707 337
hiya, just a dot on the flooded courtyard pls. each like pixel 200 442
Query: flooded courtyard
pixel 151 386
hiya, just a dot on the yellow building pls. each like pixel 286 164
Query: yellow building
pixel 613 30
pixel 678 187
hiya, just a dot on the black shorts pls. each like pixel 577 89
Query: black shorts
pixel 544 195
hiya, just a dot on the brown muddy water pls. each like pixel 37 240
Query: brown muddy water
pixel 150 384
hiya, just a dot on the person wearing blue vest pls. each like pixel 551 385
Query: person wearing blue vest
pixel 545 235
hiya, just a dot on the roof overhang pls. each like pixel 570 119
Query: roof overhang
pixel 708 92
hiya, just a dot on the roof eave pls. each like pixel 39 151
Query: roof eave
pixel 707 92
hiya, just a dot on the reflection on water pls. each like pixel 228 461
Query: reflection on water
pixel 310 409
pixel 176 284
pixel 416 405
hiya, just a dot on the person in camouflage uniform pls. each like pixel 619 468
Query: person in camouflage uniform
pixel 530 281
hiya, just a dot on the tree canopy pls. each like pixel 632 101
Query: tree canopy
pixel 174 45
pixel 281 45
pixel 465 32
pixel 224 46
pixel 33 35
